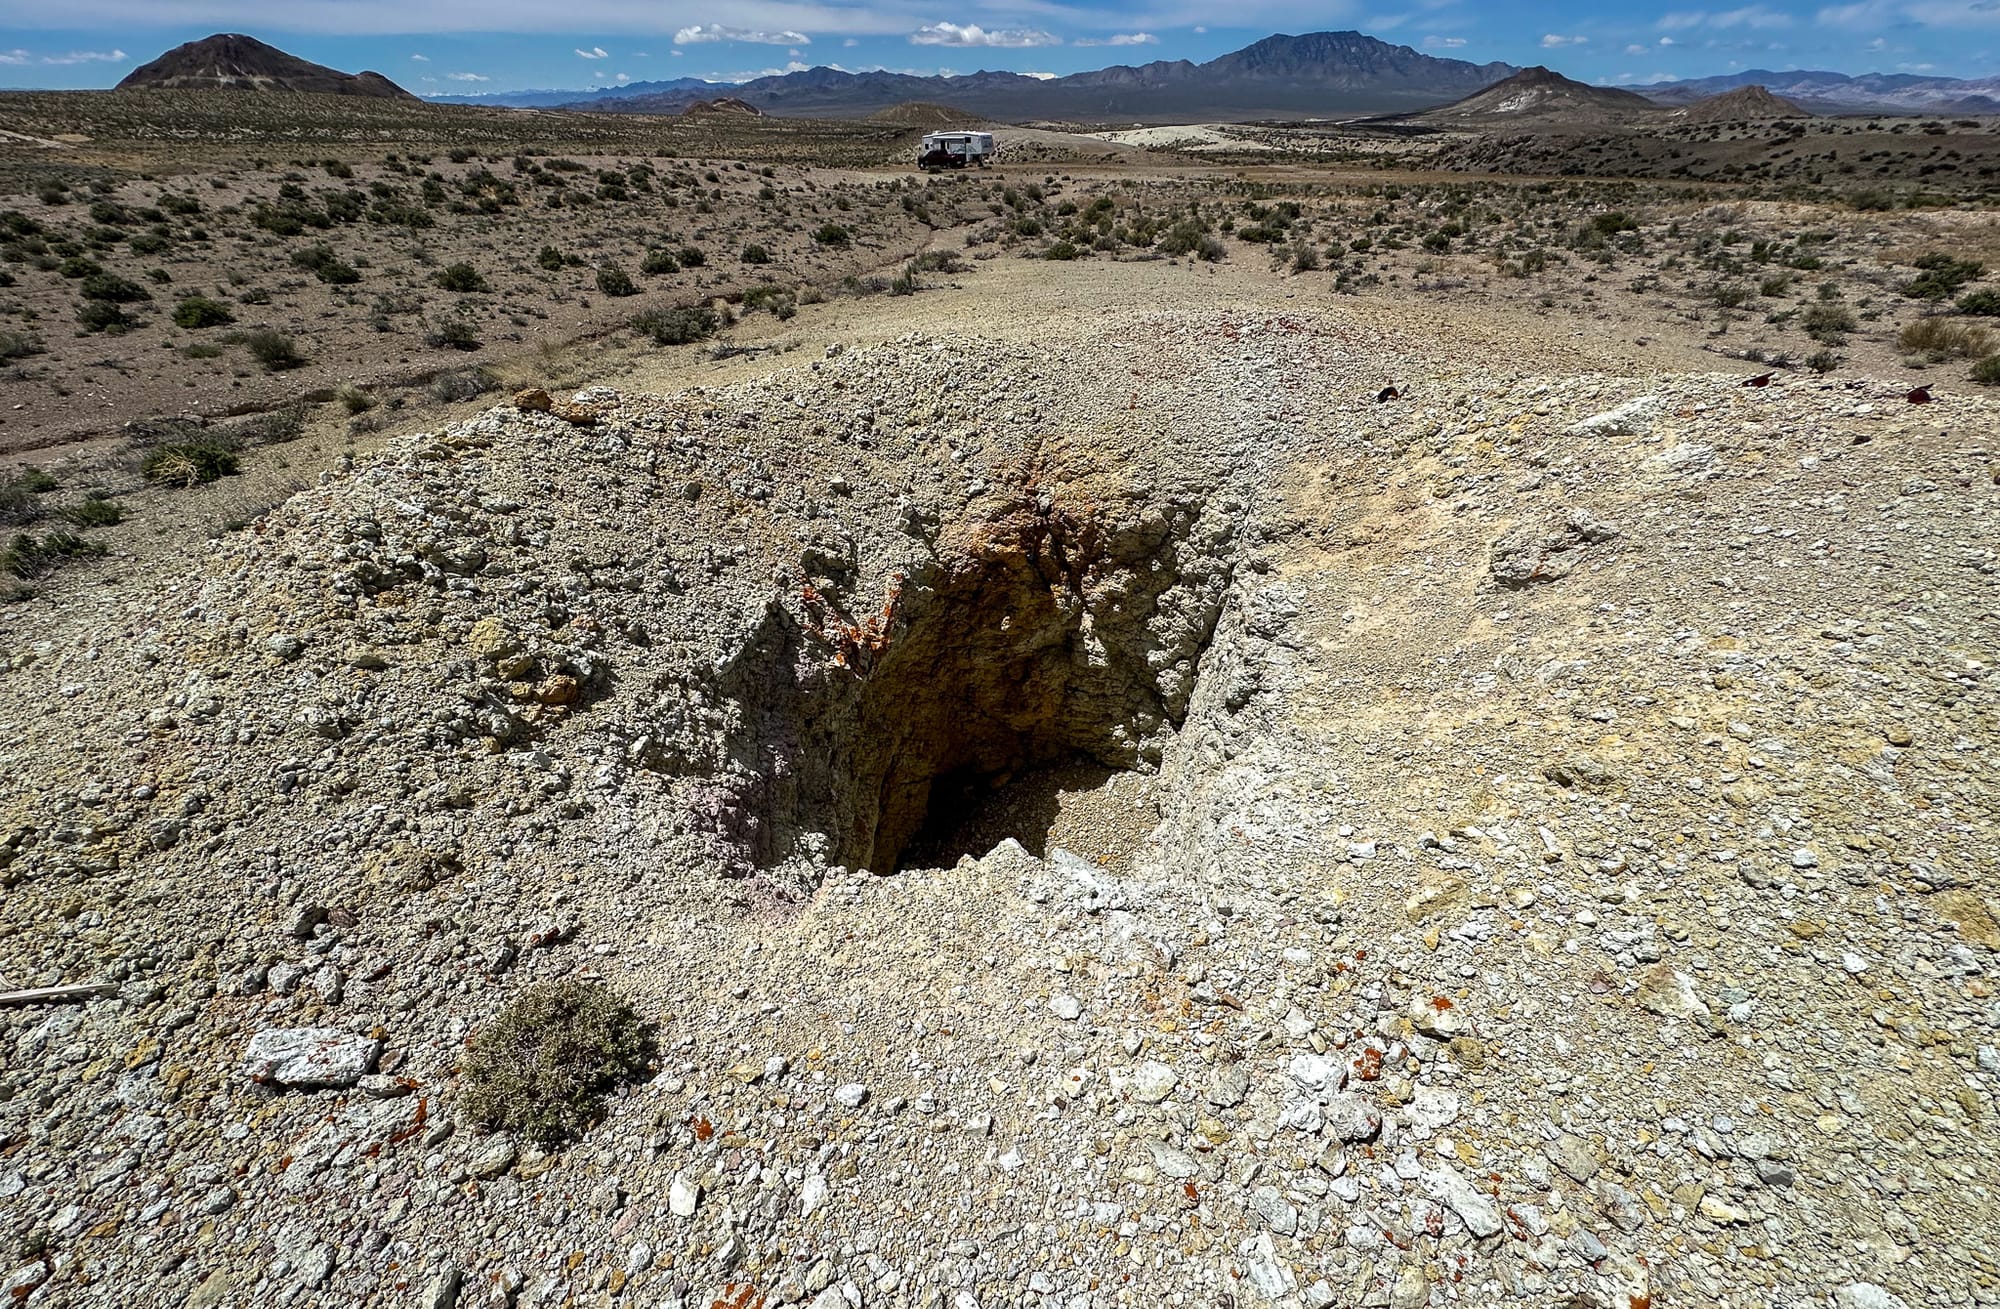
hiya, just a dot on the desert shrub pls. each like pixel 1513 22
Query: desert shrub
pixel 1987 371
pixel 550 258
pixel 659 262
pixel 1827 323
pixel 782 302
pixel 1822 361
pixel 1061 251
pixel 938 261
pixel 1614 222
pixel 1305 257
pixel 615 281
pixel 461 277
pixel 1981 304
pixel 273 349
pixel 112 289
pixel 1941 276
pixel 29 557
pixel 327 266
pixel 454 333
pixel 463 384
pixel 544 1065
pixel 834 235
pixel 756 254
pixel 353 399
pixel 149 243
pixel 188 463
pixel 198 311
pixel 1939 339
pixel 18 345
pixel 677 326
pixel 103 316
pixel 692 256
pixel 93 511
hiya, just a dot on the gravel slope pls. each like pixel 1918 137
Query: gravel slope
pixel 1572 883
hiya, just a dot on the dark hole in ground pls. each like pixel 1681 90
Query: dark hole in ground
pixel 971 811
pixel 1038 663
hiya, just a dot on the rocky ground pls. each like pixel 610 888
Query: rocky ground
pixel 1543 850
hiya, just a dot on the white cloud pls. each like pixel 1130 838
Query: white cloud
pixel 1444 42
pixel 1123 38
pixel 624 77
pixel 1041 77
pixel 595 52
pixel 1916 68
pixel 701 32
pixel 420 59
pixel 1016 38
pixel 1635 49
pixel 468 77
pixel 1200 30
pixel 1666 40
pixel 88 57
pixel 1753 16
pixel 1385 22
pixel 1555 41
pixel 14 58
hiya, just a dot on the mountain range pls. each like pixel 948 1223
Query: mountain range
pixel 1317 74
pixel 1841 93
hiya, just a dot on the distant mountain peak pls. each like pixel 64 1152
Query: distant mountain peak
pixel 231 61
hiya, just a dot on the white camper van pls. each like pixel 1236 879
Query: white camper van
pixel 955 150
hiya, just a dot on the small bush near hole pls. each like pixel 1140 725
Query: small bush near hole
pixel 544 1065
pixel 198 311
pixel 615 281
pixel 550 258
pixel 189 464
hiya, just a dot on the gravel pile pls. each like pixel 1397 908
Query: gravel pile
pixel 1574 880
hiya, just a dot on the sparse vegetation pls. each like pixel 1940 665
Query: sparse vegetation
pixel 273 349
pixel 543 1067
pixel 677 326
pixel 198 311
pixel 188 464
pixel 615 281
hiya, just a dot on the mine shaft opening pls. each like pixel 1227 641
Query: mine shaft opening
pixel 970 811
pixel 1042 652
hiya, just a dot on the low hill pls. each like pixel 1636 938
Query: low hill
pixel 923 113
pixel 1543 95
pixel 725 106
pixel 1748 104
pixel 230 61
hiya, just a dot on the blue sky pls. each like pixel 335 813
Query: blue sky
pixel 434 46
